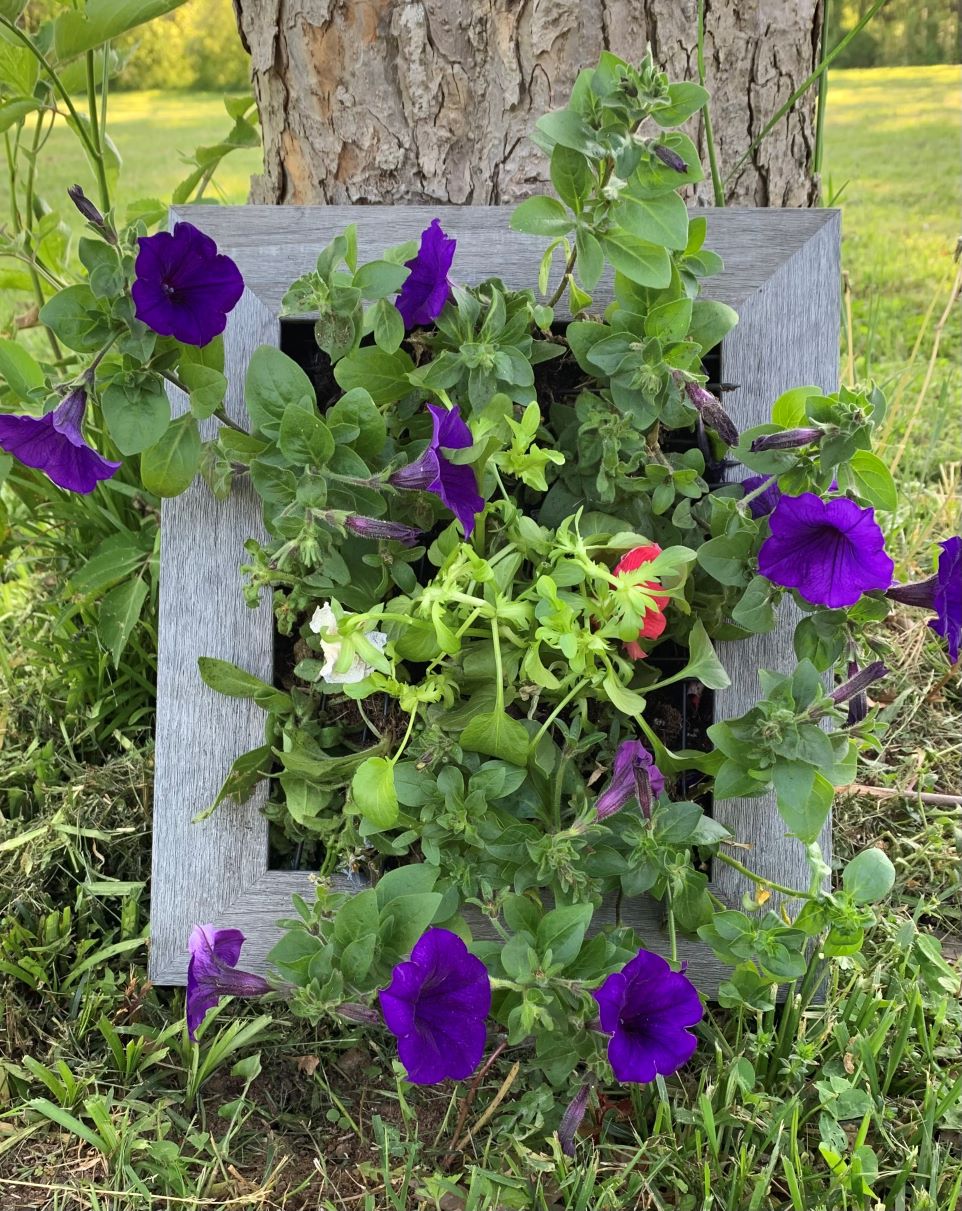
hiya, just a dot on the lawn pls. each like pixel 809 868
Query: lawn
pixel 105 1106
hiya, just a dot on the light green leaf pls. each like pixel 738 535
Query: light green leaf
pixel 168 466
pixel 703 664
pixel 12 112
pixel 873 480
pixel 102 20
pixel 662 220
pixel 305 439
pixel 789 409
pixel 207 387
pixel 711 321
pixel 18 369
pixel 638 260
pixel 387 325
pixel 234 682
pixel 870 876
pixel 496 734
pixel 542 216
pixel 372 789
pixel 119 614
pixel 137 414
pixel 803 796
pixel 382 375
pixel 274 383
pixel 571 176
pixel 562 931
pixel 379 279
pixel 685 99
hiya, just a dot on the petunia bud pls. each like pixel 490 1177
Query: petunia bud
pixel 571 1120
pixel 91 213
pixel 669 157
pixel 858 682
pixel 788 439
pixel 634 776
pixel 372 527
pixel 712 413
pixel 353 1012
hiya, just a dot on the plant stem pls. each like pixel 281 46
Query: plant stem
pixel 499 671
pixel 563 284
pixel 576 689
pixel 96 132
pixel 762 487
pixel 718 189
pixel 231 424
pixel 760 881
pixel 822 98
pixel 405 738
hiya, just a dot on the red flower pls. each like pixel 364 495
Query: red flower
pixel 654 620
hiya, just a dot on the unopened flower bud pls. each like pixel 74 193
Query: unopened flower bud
pixel 91 213
pixel 712 413
pixel 571 1120
pixel 787 439
pixel 858 682
pixel 372 527
pixel 669 157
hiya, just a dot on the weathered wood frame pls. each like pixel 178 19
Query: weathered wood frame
pixel 782 276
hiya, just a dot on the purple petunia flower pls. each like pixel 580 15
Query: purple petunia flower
pixel 634 776
pixel 831 551
pixel 455 486
pixel 426 289
pixel 436 1006
pixel 212 973
pixel 54 444
pixel 942 593
pixel 647 1009
pixel 184 287
pixel 765 501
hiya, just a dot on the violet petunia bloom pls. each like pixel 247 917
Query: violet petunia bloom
pixel 941 593
pixel 647 1009
pixel 184 287
pixel 426 289
pixel 763 504
pixel 54 444
pixel 455 486
pixel 435 1006
pixel 634 776
pixel 831 551
pixel 212 973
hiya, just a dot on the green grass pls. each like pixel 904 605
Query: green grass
pixel 105 1107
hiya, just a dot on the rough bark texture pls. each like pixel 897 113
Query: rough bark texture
pixel 432 100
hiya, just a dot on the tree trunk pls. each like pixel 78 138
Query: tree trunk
pixel 433 100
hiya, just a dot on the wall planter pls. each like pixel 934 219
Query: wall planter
pixel 781 275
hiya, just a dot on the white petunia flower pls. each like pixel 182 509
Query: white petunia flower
pixel 322 622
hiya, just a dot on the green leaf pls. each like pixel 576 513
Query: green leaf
pixel 870 876
pixel 755 611
pixel 406 881
pixel 107 567
pixel 274 383
pixel 789 409
pixel 562 931
pixel 73 316
pixel 137 414
pixel 641 262
pixel 685 99
pixel 568 128
pixel 703 664
pixel 382 375
pixel 119 614
pixel 710 322
pixel 591 258
pixel 379 279
pixel 243 776
pixel 372 789
pixel 207 387
pixel 304 438
pixel 662 220
pixel 873 480
pixel 18 369
pixel 234 682
pixel 405 919
pixel 541 216
pixel 102 20
pixel 358 410
pixel 804 798
pixel 496 734
pixel 168 466
pixel 571 176
pixel 627 701
pixel 387 325
pixel 12 112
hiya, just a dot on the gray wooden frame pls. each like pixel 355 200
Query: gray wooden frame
pixel 782 276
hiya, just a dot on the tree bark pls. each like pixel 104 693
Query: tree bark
pixel 433 100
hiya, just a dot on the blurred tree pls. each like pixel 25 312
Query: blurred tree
pixel 903 33
pixel 193 47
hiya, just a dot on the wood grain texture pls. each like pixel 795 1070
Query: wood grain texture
pixel 435 100
pixel 781 273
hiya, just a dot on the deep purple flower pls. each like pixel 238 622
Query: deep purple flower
pixel 426 289
pixel 184 287
pixel 455 486
pixel 212 972
pixel 647 1009
pixel 54 444
pixel 671 158
pixel 831 551
pixel 373 527
pixel 712 413
pixel 764 502
pixel 634 776
pixel 436 1006
pixel 942 593
pixel 786 439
